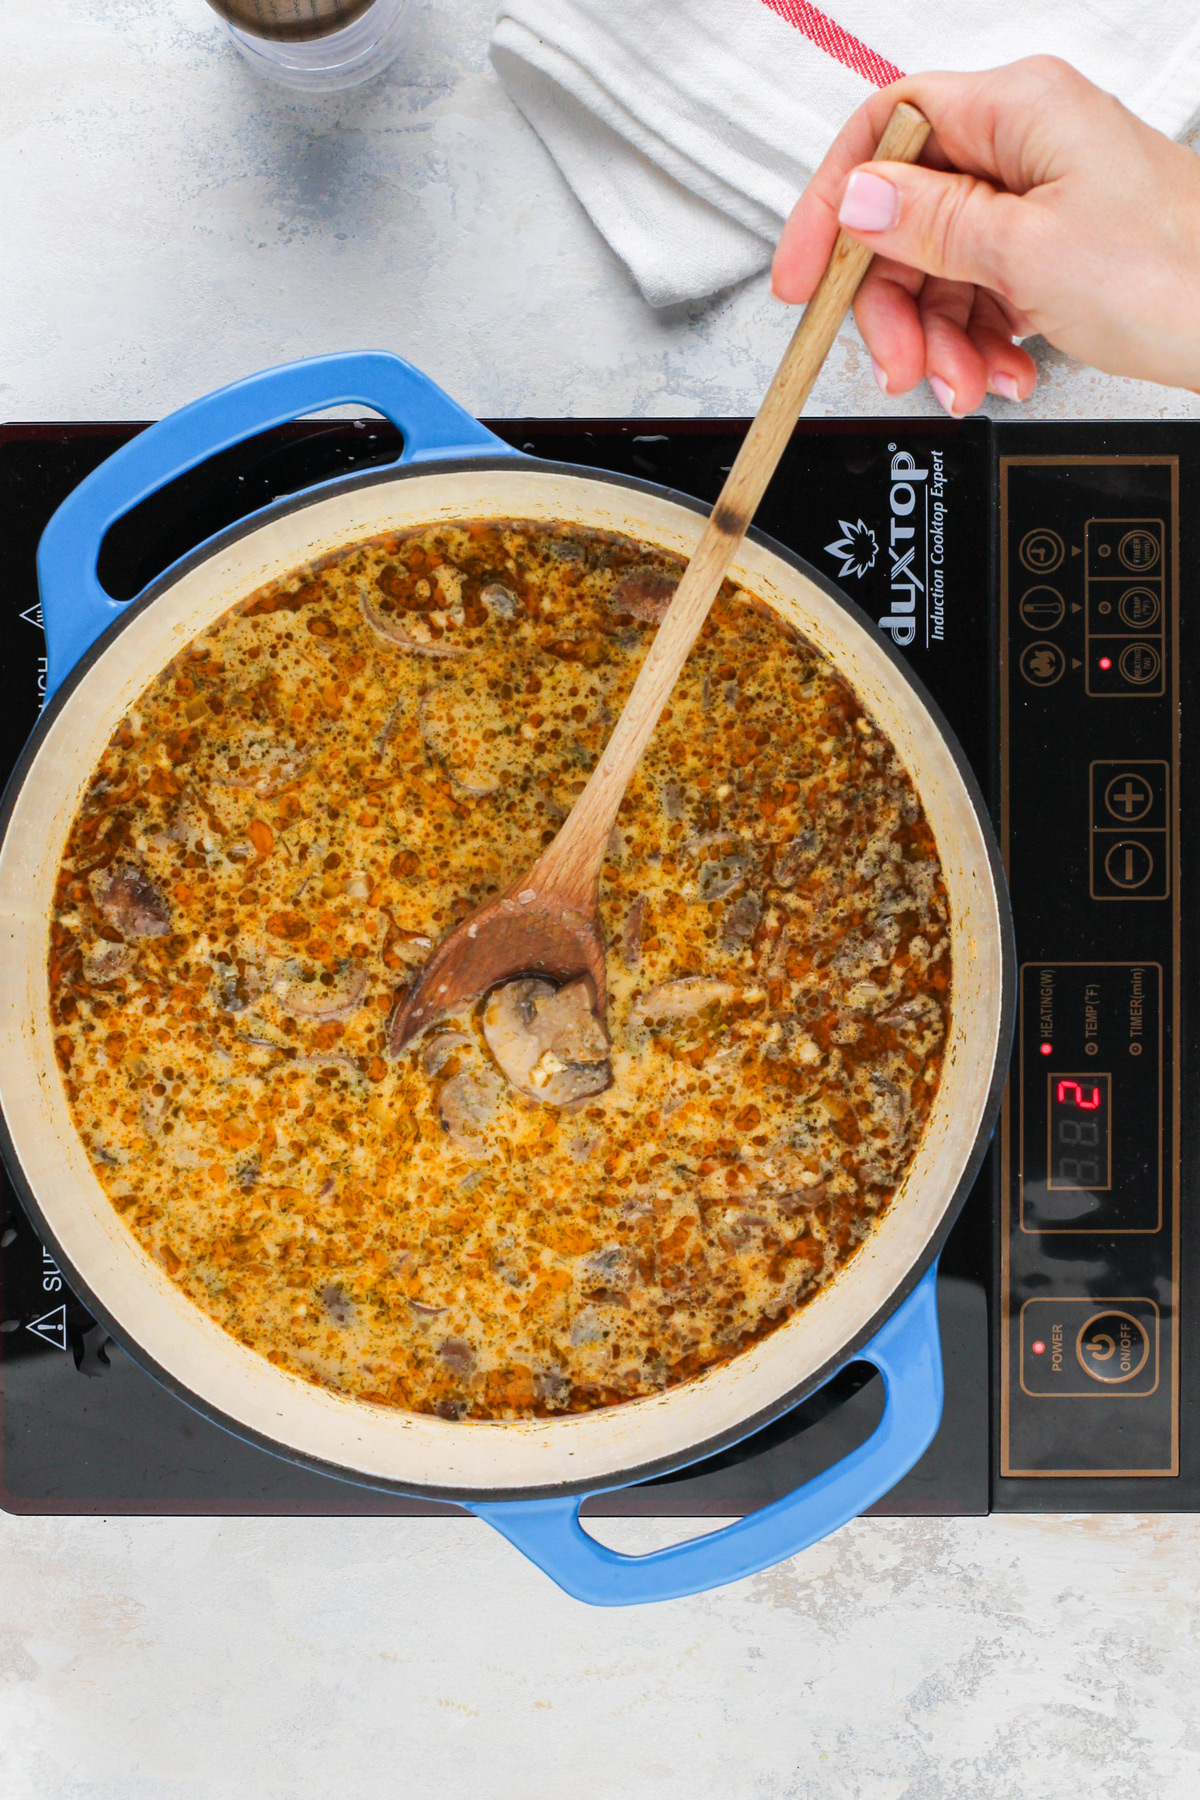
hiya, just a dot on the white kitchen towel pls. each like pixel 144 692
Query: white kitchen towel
pixel 687 128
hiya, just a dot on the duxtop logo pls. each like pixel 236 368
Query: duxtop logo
pixel 915 540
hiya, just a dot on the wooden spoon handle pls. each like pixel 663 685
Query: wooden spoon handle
pixel 572 862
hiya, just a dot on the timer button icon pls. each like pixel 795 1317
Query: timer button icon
pixel 1043 550
pixel 1138 549
pixel 1042 664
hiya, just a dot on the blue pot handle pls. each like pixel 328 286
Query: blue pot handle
pixel 907 1353
pixel 76 609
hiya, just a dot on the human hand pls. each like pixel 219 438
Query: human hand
pixel 1041 205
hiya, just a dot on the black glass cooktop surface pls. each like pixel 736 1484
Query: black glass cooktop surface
pixel 1034 576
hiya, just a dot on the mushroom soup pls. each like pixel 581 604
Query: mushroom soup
pixel 528 1211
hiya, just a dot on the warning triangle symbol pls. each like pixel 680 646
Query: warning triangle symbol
pixel 33 616
pixel 51 1327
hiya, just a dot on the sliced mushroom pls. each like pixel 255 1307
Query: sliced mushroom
pixel 468 1104
pixel 631 933
pixel 741 922
pixel 129 900
pixel 235 992
pixel 552 1387
pixel 799 1200
pixel 717 880
pixel 684 998
pixel 500 601
pixel 613 1273
pixel 440 1048
pixel 797 861
pixel 337 1304
pixel 737 1233
pixel 104 962
pixel 419 640
pixel 547 1041
pixel 645 593
pixel 673 799
pixel 176 831
pixel 717 876
pixel 458 1356
pixel 588 1327
pixel 311 1000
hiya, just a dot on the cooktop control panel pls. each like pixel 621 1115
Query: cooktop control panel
pixel 1089 791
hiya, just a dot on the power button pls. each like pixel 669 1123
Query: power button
pixel 1076 1347
pixel 1112 1347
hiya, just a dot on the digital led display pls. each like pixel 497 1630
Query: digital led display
pixel 1080 1131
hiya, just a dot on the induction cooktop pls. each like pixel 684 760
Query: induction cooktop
pixel 1041 579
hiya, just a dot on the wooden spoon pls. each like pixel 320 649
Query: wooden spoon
pixel 548 921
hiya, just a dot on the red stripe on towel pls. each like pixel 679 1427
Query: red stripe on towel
pixel 829 37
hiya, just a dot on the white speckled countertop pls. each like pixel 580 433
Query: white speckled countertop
pixel 168 224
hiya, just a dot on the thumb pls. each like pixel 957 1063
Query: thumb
pixel 955 226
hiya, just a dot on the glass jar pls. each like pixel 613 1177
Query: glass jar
pixel 317 45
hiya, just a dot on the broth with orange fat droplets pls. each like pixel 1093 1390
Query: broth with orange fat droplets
pixel 515 1218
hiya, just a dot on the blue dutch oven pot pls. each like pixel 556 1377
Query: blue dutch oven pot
pixel 526 1479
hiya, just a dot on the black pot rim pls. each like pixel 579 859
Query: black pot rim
pixel 847 1352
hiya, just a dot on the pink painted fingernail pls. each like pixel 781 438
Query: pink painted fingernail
pixel 943 393
pixel 880 376
pixel 1006 387
pixel 870 203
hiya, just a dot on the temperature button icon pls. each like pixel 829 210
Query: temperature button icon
pixel 1139 608
pixel 1042 608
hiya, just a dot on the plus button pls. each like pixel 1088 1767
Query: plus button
pixel 1128 796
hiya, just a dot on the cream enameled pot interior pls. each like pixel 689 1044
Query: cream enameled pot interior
pixel 377 1442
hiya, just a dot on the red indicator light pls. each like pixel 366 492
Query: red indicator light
pixel 1039 1349
pixel 1067 1097
pixel 1047 1049
pixel 1106 662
